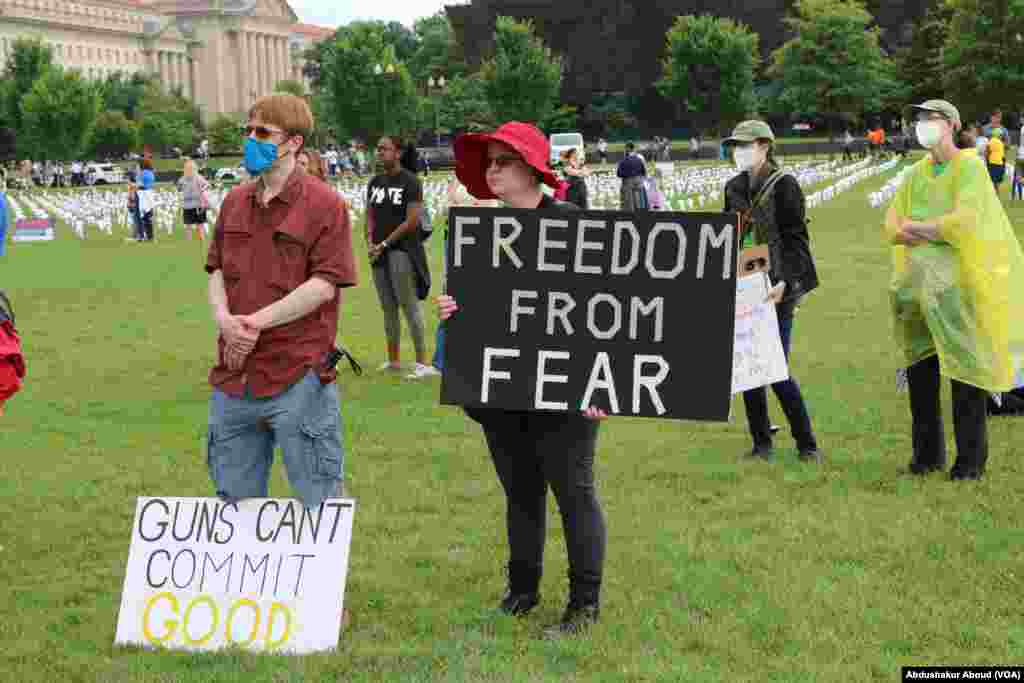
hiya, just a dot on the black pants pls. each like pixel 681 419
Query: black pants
pixel 146 226
pixel 788 392
pixel 530 452
pixel 969 421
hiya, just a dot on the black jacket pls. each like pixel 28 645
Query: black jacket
pixel 779 221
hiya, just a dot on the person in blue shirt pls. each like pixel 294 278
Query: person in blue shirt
pixel 146 181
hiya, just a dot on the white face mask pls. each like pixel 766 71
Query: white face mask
pixel 929 133
pixel 746 157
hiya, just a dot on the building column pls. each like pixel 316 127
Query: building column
pixel 273 58
pixel 182 78
pixel 193 69
pixel 257 65
pixel 286 62
pixel 245 62
pixel 261 53
pixel 218 72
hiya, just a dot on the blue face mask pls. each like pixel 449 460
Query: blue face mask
pixel 259 156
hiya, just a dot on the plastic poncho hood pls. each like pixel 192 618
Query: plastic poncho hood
pixel 963 297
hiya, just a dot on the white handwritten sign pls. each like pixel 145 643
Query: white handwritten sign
pixel 758 359
pixel 265 574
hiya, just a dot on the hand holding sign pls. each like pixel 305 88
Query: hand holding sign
pixel 446 306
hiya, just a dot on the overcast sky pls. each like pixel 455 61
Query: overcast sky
pixel 333 13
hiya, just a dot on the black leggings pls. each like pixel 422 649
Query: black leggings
pixel 969 420
pixel 530 452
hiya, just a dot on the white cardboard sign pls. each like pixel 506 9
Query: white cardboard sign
pixel 265 574
pixel 758 359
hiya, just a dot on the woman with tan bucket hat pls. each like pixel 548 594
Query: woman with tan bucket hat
pixel 957 273
pixel 775 215
pixel 534 450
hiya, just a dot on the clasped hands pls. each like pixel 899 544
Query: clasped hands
pixel 240 333
pixel 913 233
pixel 375 250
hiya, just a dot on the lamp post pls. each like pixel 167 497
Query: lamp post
pixel 436 85
pixel 385 71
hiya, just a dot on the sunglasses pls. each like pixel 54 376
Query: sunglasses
pixel 502 161
pixel 261 132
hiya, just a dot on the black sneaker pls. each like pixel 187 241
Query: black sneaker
pixel 810 455
pixel 964 474
pixel 761 452
pixel 518 604
pixel 576 620
pixel 922 469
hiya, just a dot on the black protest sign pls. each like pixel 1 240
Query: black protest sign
pixel 629 312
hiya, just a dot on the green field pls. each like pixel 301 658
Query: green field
pixel 717 570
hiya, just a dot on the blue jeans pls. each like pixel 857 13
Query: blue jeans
pixel 304 420
pixel 439 347
pixel 788 392
pixel 439 337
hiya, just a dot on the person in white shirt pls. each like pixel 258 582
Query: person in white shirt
pixel 981 144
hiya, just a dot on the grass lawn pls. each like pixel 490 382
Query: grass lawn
pixel 717 570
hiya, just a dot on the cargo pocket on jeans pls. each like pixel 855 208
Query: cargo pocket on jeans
pixel 211 460
pixel 321 441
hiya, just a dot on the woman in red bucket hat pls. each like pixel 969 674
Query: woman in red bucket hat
pixel 534 450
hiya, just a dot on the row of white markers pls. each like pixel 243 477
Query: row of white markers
pixel 105 211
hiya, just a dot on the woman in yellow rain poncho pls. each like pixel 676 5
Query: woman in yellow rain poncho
pixel 957 293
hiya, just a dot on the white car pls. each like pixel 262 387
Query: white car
pixel 103 174
pixel 563 141
pixel 231 174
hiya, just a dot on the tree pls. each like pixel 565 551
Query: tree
pixel 834 63
pixel 920 66
pixel 166 120
pixel 437 52
pixel 291 87
pixel 401 38
pixel 562 117
pixel 464 106
pixel 58 115
pixel 224 135
pixel 121 92
pixel 27 61
pixel 709 69
pixel 114 135
pixel 362 101
pixel 982 63
pixel 523 79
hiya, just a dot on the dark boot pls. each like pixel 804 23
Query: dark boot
pixel 969 421
pixel 523 590
pixel 582 612
pixel 761 452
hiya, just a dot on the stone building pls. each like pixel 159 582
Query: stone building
pixel 223 54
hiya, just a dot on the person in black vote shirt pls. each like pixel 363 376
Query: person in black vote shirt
pixel 532 450
pixel 393 200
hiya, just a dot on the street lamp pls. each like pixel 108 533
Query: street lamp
pixel 436 85
pixel 385 71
